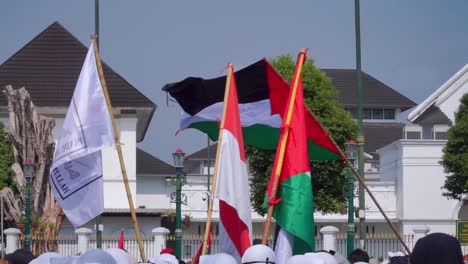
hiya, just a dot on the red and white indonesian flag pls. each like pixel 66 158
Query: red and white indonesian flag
pixel 76 172
pixel 235 228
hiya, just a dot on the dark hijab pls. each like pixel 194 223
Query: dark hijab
pixel 437 248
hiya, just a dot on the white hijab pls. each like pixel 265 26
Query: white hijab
pixel 325 256
pixel 119 255
pixel 220 258
pixel 164 259
pixel 305 259
pixel 44 258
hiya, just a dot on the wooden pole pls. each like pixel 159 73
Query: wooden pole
pixel 215 172
pixel 362 182
pixel 119 149
pixel 282 148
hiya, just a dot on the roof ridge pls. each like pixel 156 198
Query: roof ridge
pixel 378 80
pixel 47 29
pixel 432 98
pixel 143 152
pixel 213 144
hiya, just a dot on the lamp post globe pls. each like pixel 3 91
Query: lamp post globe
pixel 179 158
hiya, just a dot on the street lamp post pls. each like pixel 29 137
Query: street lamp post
pixel 28 171
pixel 179 157
pixel 351 153
pixel 360 139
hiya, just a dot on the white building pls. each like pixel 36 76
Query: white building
pixel 402 168
pixel 403 144
pixel 382 107
pixel 413 163
pixel 49 66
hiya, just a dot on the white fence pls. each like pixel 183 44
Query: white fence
pixel 131 245
pixel 377 245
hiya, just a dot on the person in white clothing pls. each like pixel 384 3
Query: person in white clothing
pixel 218 258
pixel 164 259
pixel 44 258
pixel 306 259
pixel 259 254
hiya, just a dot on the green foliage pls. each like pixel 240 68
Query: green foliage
pixel 22 220
pixel 455 159
pixel 6 160
pixel 327 179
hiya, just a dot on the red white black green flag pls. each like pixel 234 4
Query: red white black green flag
pixel 262 93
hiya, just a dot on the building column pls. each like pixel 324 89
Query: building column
pixel 329 237
pixel 83 239
pixel 12 235
pixel 160 234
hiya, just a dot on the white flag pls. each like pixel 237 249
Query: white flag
pixel 76 172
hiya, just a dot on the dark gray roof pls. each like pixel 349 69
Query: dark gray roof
pixel 375 93
pixel 202 154
pixel 378 135
pixel 49 66
pixel 432 115
pixel 149 164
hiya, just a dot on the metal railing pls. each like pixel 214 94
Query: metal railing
pixel 64 245
pixel 191 243
pixel 130 245
pixel 377 245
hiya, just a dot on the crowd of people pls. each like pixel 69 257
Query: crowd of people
pixel 436 248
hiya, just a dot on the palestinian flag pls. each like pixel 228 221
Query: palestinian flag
pixel 262 94
pixel 294 207
pixel 235 225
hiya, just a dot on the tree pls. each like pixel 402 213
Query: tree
pixel 455 158
pixel 30 136
pixel 327 178
pixel 6 160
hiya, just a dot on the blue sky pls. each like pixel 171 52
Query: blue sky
pixel 412 46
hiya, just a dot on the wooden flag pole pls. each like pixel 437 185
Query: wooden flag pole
pixel 119 149
pixel 215 173
pixel 282 150
pixel 362 182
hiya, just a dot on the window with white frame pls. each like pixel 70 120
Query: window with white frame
pixel 440 132
pixel 378 113
pixel 205 167
pixel 374 113
pixel 413 132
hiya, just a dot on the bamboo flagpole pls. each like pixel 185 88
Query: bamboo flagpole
pixel 215 172
pixel 362 182
pixel 119 149
pixel 283 140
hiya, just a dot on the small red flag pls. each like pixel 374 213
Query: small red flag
pixel 121 240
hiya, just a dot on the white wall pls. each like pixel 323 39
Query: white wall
pixel 114 190
pixel 419 177
pixel 153 192
pixel 385 194
pixel 113 225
